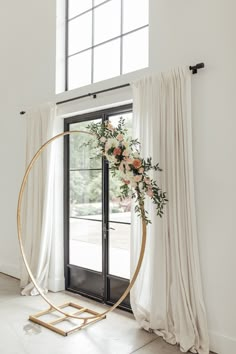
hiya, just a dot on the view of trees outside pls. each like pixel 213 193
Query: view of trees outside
pixel 86 207
pixel 85 174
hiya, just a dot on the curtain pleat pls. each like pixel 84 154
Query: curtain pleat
pixel 167 297
pixel 39 203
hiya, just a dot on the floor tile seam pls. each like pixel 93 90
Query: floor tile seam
pixel 143 346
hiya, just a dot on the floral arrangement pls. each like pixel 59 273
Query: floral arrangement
pixel 122 153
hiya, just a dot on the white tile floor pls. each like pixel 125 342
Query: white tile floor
pixel 118 334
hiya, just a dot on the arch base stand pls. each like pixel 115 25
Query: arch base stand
pixel 66 325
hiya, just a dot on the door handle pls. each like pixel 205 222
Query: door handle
pixel 109 228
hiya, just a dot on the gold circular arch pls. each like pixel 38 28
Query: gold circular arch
pixel 19 231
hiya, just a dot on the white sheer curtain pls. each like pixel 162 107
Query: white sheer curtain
pixel 42 203
pixel 167 297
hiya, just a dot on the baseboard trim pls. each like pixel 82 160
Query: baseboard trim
pixel 10 269
pixel 54 284
pixel 221 344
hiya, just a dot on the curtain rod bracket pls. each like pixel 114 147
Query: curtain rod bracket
pixel 196 67
pixel 91 94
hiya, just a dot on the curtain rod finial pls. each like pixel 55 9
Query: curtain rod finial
pixel 22 112
pixel 196 67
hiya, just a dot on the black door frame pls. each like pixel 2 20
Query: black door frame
pixel 108 281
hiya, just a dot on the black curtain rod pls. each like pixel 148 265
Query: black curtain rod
pixel 93 94
pixel 194 69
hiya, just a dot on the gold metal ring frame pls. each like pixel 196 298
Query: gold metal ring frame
pixel 80 310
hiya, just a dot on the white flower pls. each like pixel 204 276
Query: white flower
pixel 98 150
pixel 126 143
pixel 127 151
pixel 130 176
pixel 123 175
pixel 103 139
pixel 111 158
pixel 136 155
pixel 111 143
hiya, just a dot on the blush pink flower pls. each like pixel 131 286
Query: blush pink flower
pixel 138 178
pixel 110 126
pixel 126 181
pixel 125 153
pixel 150 192
pixel 136 163
pixel 103 139
pixel 117 151
pixel 141 170
pixel 119 137
pixel 147 180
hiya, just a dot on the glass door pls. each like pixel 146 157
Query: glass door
pixel 118 272
pixel 97 222
pixel 85 179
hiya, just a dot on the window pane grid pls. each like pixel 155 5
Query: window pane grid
pixel 132 60
pixel 91 219
pixel 109 40
pixel 107 21
pixel 94 6
pixel 126 10
pixel 78 42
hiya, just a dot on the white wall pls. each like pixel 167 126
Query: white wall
pixel 182 32
pixel 27 77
